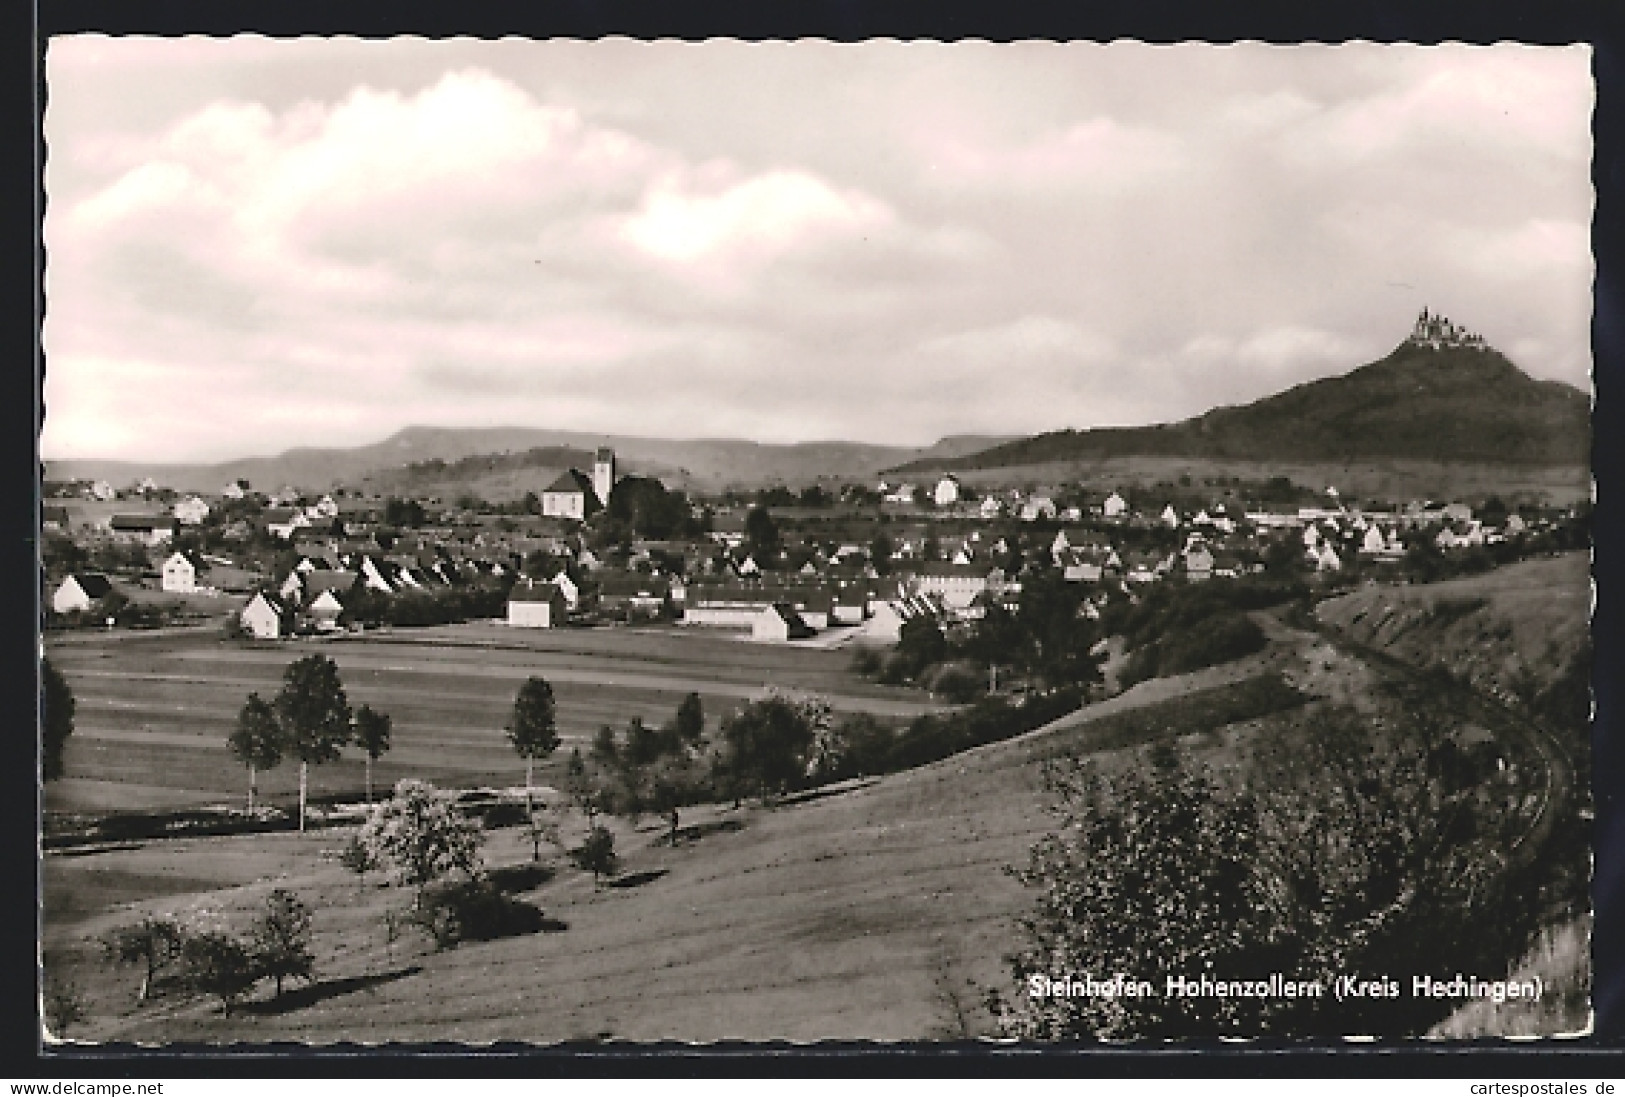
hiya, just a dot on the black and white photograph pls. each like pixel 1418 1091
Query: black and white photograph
pixel 613 542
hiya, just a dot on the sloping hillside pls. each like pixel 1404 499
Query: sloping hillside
pixel 1421 403
pixel 861 915
pixel 1519 630
pixel 703 463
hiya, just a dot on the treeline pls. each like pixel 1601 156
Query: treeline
pixel 452 605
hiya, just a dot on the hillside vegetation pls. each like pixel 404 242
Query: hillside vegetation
pixel 1519 632
pixel 1454 404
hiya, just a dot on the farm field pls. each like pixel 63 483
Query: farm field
pixel 154 710
pixel 860 914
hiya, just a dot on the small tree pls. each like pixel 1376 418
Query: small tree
pixel 372 735
pixel 257 741
pixel 56 719
pixel 315 716
pixel 689 724
pixel 421 832
pixel 540 826
pixel 220 964
pixel 154 943
pixel 533 728
pixel 281 939
pixel 597 854
pixel 582 787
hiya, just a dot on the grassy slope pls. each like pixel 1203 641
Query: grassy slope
pixel 154 712
pixel 1531 615
pixel 842 917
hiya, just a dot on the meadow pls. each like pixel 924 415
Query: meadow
pixel 153 711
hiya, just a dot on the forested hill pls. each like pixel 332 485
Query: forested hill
pixel 1455 403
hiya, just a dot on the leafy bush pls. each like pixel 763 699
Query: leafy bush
pixel 473 910
pixel 221 965
pixel 1206 643
pixel 956 683
pixel 597 854
pixel 866 661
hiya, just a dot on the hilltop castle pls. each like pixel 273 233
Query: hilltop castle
pixel 1435 332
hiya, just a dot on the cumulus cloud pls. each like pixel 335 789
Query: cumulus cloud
pixel 254 244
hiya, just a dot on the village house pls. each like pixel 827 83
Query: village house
pixel 991 507
pixel 957 585
pixel 179 574
pixel 1039 506
pixel 947 492
pixel 570 496
pixel 80 591
pixel 55 519
pixel 536 605
pixel 191 511
pixel 1115 506
pixel 323 611
pixel 779 623
pixel 281 522
pixel 141 529
pixel 263 617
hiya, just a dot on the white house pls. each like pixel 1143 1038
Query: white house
pixel 141 529
pixel 324 611
pixel 569 496
pixel 1170 517
pixel 1198 564
pixel 1327 559
pixel 191 511
pixel 1039 506
pixel 104 491
pixel 957 585
pixel 233 490
pixel 1115 506
pixel 536 605
pixel 778 622
pixel 282 521
pixel 262 617
pixel 179 574
pixel 79 591
pixel 991 507
pixel 947 493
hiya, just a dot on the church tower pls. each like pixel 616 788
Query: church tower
pixel 603 473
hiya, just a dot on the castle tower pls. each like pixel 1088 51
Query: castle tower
pixel 603 473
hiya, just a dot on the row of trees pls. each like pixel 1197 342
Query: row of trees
pixel 210 959
pixel 309 719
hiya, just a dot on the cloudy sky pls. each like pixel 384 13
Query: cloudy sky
pixel 256 244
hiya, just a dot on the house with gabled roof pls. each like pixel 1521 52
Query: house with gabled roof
pixel 179 574
pixel 779 622
pixel 570 496
pixel 264 617
pixel 79 591
pixel 536 605
pixel 191 511
pixel 141 529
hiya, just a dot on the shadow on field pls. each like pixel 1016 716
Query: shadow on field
pixel 327 988
pixel 516 878
pixel 636 879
